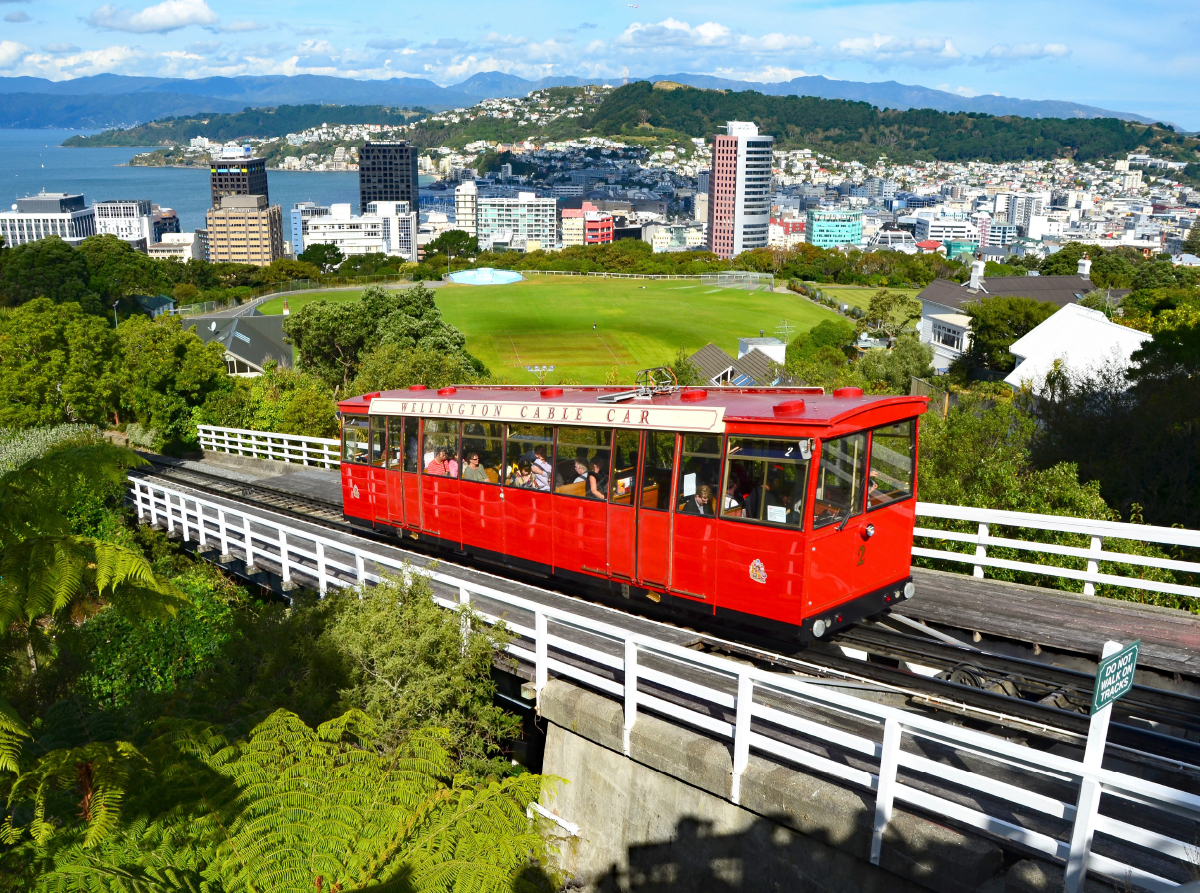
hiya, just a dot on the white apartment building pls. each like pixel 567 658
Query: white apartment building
pixel 178 246
pixel 387 228
pixel 466 206
pixel 945 229
pixel 526 223
pixel 47 214
pixel 131 220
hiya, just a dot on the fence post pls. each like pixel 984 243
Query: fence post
pixel 540 670
pixel 884 794
pixel 284 566
pixel 1093 566
pixel 137 495
pixel 249 544
pixel 170 511
pixel 464 624
pixel 741 734
pixel 321 584
pixel 360 568
pixel 981 549
pixel 631 697
pixel 1088 805
pixel 200 525
pixel 223 531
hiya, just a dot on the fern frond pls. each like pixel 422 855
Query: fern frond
pixel 13 735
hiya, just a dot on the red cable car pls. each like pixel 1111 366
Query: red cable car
pixel 785 511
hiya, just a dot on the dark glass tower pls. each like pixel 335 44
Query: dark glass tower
pixel 387 172
pixel 238 176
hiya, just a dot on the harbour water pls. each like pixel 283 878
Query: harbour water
pixel 32 160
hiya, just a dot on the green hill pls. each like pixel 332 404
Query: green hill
pixel 250 122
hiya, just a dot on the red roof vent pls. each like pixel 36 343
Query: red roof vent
pixel 446 392
pixel 417 387
pixel 369 397
pixel 551 392
pixel 847 392
pixel 789 407
pixel 693 394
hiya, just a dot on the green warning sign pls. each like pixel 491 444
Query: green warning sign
pixel 1114 676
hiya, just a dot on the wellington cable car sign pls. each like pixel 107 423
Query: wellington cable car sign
pixel 1114 676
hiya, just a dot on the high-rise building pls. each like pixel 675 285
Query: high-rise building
pixel 739 190
pixel 827 229
pixel 527 223
pixel 237 172
pixel 299 216
pixel 245 230
pixel 131 220
pixel 387 172
pixel 466 207
pixel 47 214
pixel 165 221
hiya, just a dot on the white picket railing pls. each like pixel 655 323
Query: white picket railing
pixel 321 451
pixel 1097 531
pixel 730 704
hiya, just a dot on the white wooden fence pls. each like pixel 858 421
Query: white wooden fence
pixel 320 451
pixel 994 779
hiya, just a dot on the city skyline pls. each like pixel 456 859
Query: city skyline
pixel 1114 57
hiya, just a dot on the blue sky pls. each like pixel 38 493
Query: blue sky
pixel 1117 55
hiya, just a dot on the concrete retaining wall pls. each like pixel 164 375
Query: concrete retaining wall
pixel 661 819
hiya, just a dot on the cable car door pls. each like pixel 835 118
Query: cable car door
pixel 694 527
pixel 394 477
pixel 654 504
pixel 411 478
pixel 622 513
pixel 838 547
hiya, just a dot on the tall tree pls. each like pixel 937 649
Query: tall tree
pixel 48 268
pixel 57 364
pixel 888 314
pixel 996 322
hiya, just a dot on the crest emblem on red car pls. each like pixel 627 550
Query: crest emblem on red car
pixel 354 491
pixel 758 573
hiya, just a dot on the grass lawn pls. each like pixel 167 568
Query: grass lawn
pixel 639 322
pixel 858 296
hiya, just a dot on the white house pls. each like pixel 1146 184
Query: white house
pixel 1083 340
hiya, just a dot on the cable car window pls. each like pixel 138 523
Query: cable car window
pixel 766 481
pixel 395 441
pixel 412 446
pixel 583 461
pixel 699 466
pixel 840 481
pixel 891 475
pixel 441 448
pixel 482 452
pixel 657 464
pixel 530 452
pixel 378 433
pixel 625 466
pixel 354 439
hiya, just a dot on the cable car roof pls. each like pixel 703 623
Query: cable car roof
pixel 704 409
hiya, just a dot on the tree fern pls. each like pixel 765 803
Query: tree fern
pixel 277 811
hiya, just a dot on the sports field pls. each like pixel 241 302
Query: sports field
pixel 586 326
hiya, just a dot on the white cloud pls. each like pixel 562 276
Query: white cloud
pixel 674 33
pixel 1002 55
pixel 61 48
pixel 59 67
pixel 11 52
pixel 884 50
pixel 19 17
pixel 169 15
pixel 769 74
pixel 961 91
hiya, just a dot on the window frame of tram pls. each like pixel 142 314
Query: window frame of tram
pixel 492 431
pixel 622 478
pixel 511 466
pixel 579 437
pixel 442 430
pixel 395 442
pixel 856 503
pixel 655 472
pixel 361 444
pixel 766 472
pixel 873 473
pixel 378 441
pixel 685 492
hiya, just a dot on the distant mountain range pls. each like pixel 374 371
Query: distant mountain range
pixel 110 100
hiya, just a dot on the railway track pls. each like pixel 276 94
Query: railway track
pixel 1023 698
